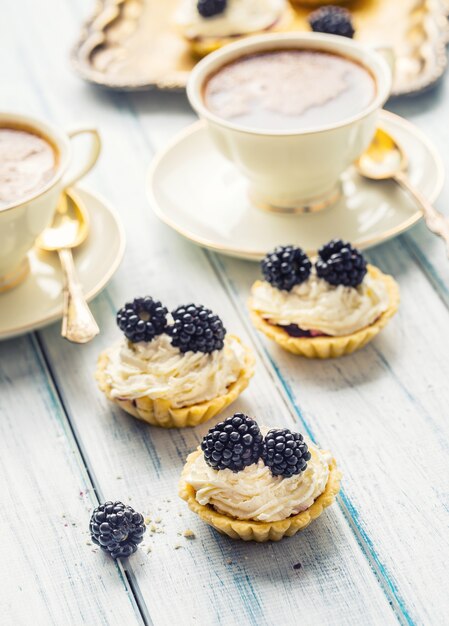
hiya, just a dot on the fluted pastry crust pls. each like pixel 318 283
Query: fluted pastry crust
pixel 326 347
pixel 161 413
pixel 249 530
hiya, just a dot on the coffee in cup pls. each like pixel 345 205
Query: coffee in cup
pixel 292 111
pixel 289 90
pixel 28 161
pixel 36 165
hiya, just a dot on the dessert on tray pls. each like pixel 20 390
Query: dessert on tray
pixel 210 24
pixel 173 369
pixel 325 308
pixel 257 484
pixel 332 20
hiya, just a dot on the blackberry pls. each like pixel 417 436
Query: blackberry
pixel 142 319
pixel 233 444
pixel 197 329
pixel 286 267
pixel 332 20
pixel 209 8
pixel 116 528
pixel 285 453
pixel 340 264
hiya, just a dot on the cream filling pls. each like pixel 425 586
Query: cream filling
pixel 240 17
pixel 316 305
pixel 160 371
pixel 255 494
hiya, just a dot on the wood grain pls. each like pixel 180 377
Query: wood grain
pixel 376 558
pixel 50 572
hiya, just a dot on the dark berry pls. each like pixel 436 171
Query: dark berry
pixel 233 444
pixel 340 264
pixel 285 453
pixel 209 8
pixel 197 329
pixel 142 319
pixel 332 20
pixel 286 267
pixel 295 331
pixel 116 528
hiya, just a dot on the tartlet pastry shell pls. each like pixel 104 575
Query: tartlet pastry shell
pixel 249 530
pixel 330 347
pixel 161 413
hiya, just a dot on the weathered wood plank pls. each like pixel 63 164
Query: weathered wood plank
pixel 148 462
pixel 337 585
pixel 429 112
pixel 50 572
pixel 384 410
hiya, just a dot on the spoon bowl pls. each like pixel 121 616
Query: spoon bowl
pixel 384 159
pixel 70 225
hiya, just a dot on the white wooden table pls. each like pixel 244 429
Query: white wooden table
pixel 380 556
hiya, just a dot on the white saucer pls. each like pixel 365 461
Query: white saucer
pixel 38 300
pixel 200 194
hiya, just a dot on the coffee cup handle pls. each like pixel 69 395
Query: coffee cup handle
pixel 72 177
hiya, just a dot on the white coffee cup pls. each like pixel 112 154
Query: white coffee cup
pixel 23 221
pixel 293 170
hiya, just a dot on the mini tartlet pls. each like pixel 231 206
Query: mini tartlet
pixel 258 485
pixel 210 24
pixel 173 370
pixel 326 309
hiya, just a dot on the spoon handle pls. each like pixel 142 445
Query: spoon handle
pixel 435 221
pixel 78 323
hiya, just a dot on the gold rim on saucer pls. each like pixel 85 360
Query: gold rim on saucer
pixel 8 330
pixel 250 254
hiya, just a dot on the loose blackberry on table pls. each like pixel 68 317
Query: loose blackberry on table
pixel 286 267
pixel 340 264
pixel 233 444
pixel 116 528
pixel 209 8
pixel 333 21
pixel 142 319
pixel 285 453
pixel 196 328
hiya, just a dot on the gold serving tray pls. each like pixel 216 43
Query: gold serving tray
pixel 134 44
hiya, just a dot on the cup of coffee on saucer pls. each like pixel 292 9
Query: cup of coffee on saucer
pixel 292 112
pixel 36 164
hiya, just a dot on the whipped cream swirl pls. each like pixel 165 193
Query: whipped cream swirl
pixel 315 305
pixel 255 494
pixel 240 17
pixel 160 371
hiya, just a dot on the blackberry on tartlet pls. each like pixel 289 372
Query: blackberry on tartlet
pixel 339 306
pixel 196 328
pixel 286 267
pixel 339 263
pixel 233 444
pixel 142 319
pixel 210 8
pixel 332 20
pixel 116 528
pixel 255 487
pixel 173 369
pixel 284 452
